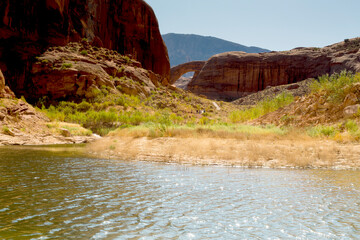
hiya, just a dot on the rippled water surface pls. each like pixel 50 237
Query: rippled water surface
pixel 55 195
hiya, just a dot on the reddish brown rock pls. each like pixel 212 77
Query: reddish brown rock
pixel 66 73
pixel 5 91
pixel 232 75
pixel 28 28
pixel 177 71
pixel 2 81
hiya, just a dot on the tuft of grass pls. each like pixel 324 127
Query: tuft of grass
pixel 322 131
pixel 84 52
pixel 66 66
pixel 6 130
pixel 351 126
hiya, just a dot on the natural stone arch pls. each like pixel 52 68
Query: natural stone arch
pixel 179 70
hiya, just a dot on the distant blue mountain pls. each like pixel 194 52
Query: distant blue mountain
pixel 189 47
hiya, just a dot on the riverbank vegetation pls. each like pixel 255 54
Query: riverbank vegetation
pixel 163 109
pixel 177 113
pixel 294 132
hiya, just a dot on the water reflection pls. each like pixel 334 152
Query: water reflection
pixel 54 194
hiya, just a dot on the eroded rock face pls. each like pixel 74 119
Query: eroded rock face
pixel 179 70
pixel 65 73
pixel 5 91
pixel 28 28
pixel 232 75
pixel 2 81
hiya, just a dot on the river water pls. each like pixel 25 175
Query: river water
pixel 52 193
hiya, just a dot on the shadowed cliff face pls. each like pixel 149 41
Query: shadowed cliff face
pixel 232 75
pixel 29 27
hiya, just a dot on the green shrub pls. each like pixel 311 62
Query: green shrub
pixel 84 52
pixel 104 90
pixel 120 70
pixel 322 131
pixel 127 59
pixel 84 106
pixel 6 130
pixel 204 121
pixel 66 65
pixel 23 99
pixel 336 86
pixel 351 126
pixel 118 87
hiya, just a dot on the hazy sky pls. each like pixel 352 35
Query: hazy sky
pixel 271 24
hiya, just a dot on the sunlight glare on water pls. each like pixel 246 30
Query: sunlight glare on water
pixel 54 194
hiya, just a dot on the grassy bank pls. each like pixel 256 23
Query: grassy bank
pixel 176 113
pixel 163 109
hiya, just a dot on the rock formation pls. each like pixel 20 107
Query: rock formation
pixel 5 91
pixel 2 81
pixel 78 71
pixel 177 71
pixel 232 75
pixel 28 28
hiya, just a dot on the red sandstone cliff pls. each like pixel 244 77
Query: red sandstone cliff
pixel 236 74
pixel 29 27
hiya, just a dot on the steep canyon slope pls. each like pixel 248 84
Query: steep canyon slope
pixel 29 28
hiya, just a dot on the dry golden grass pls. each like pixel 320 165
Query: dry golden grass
pixel 74 129
pixel 231 152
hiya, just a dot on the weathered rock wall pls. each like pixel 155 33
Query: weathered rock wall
pixel 63 73
pixel 29 27
pixel 232 75
pixel 5 91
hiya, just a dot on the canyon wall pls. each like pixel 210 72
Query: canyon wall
pixel 29 27
pixel 231 75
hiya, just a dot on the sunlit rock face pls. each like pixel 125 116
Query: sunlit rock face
pixel 232 75
pixel 29 27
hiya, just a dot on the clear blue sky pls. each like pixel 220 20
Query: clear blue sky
pixel 271 24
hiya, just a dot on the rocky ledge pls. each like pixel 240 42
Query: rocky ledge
pixel 21 124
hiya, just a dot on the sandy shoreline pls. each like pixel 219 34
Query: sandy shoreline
pixel 43 139
pixel 231 152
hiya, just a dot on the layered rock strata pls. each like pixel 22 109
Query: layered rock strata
pixel 28 28
pixel 232 75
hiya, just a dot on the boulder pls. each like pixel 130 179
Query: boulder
pixel 351 110
pixel 350 99
pixel 65 132
pixel 28 28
